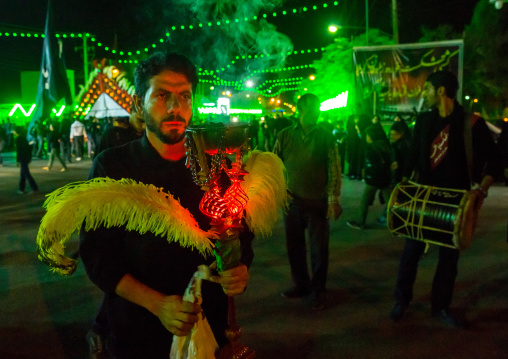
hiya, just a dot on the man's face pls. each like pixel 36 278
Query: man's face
pixel 429 95
pixel 167 106
pixel 395 136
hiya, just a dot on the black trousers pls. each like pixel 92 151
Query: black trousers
pixel 299 218
pixel 444 277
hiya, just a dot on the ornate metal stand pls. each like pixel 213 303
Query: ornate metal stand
pixel 225 211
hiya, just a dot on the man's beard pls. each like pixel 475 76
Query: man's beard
pixel 171 138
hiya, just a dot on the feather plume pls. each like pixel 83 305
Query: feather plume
pixel 111 203
pixel 265 186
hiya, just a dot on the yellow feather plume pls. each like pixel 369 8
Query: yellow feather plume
pixel 146 208
pixel 110 203
pixel 265 186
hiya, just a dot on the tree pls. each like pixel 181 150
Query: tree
pixel 486 53
pixel 335 71
pixel 440 33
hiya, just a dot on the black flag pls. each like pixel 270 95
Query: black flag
pixel 53 83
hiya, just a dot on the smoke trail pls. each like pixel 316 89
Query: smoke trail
pixel 216 46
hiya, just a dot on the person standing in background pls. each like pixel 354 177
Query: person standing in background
pixel 24 157
pixel 311 157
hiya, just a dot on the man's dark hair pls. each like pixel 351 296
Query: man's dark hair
pixel 446 79
pixel 161 61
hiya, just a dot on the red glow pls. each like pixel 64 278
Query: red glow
pixel 212 204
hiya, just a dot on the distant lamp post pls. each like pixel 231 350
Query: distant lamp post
pixel 249 83
pixel 332 28
pixel 312 77
pixel 498 3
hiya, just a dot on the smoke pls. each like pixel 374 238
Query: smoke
pixel 238 35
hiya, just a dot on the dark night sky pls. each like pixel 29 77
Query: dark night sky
pixel 139 23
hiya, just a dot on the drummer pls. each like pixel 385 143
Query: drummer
pixel 443 147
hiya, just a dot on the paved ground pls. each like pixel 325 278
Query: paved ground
pixel 47 316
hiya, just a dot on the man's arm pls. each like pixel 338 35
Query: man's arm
pixel 176 315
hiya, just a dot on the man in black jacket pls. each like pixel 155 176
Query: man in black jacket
pixel 439 157
pixel 143 277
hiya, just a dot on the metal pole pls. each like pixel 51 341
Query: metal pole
pixel 395 22
pixel 85 60
pixel 367 22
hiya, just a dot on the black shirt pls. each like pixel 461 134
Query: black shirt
pixel 109 254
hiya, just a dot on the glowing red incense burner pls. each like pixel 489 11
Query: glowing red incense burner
pixel 225 211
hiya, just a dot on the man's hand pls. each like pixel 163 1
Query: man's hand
pixel 233 281
pixel 176 315
pixel 334 211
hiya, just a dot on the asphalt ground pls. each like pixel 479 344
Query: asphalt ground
pixel 43 315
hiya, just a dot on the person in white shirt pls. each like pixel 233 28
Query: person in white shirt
pixel 78 138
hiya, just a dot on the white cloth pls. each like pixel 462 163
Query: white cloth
pixel 200 342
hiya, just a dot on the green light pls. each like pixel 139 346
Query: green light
pixel 335 3
pixel 209 24
pixel 153 45
pixel 161 40
pixel 72 35
pixel 325 5
pixel 56 35
pixel 121 53
pixel 167 34
pixel 200 25
pixel 106 48
pixel 255 17
pixel 274 14
pixel 99 44
pixel 27 35
pixel 43 36
pixel 294 11
pixel 182 27
pixel 6 34
pixel 113 51
pixel 191 27
pixel 146 49
pixel 264 15
pixel 236 20
pixel 284 12
pixel 93 39
pixel 64 36
pixel 314 7
pixel 87 34
pixel 173 28
pixel 218 23
pixel 304 8
pixel 36 35
pixel 80 35
pixel 129 53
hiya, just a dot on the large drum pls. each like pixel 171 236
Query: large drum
pixel 441 216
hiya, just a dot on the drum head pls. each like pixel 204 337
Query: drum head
pixel 468 219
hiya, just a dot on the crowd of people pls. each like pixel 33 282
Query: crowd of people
pixel 143 276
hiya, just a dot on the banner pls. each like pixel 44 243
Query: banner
pixel 53 83
pixel 391 78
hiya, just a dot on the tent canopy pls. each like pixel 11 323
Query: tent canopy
pixel 105 106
